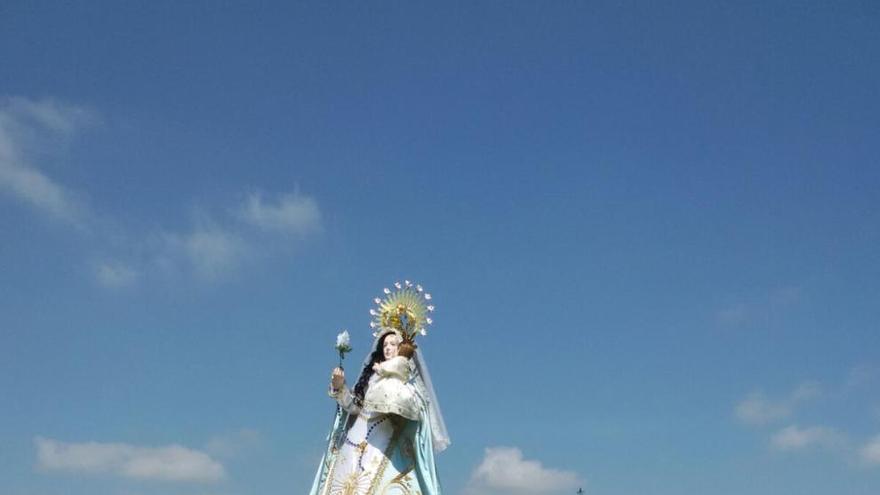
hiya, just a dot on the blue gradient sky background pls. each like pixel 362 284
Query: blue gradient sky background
pixel 651 232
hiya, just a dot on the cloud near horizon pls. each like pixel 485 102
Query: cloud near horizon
pixel 169 463
pixel 504 470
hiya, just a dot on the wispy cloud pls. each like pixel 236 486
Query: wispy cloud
pixel 218 243
pixel 757 409
pixel 55 116
pixel 862 375
pixel 870 453
pixel 733 314
pixel 504 470
pixel 209 251
pixel 26 128
pixel 760 307
pixel 113 274
pixel 785 296
pixel 793 438
pixel 169 463
pixel 234 444
pixel 256 227
pixel 289 214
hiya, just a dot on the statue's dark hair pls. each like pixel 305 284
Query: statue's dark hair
pixel 363 382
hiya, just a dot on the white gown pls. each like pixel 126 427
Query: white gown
pixel 361 461
pixel 377 454
pixel 386 447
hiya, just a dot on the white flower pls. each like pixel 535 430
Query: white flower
pixel 372 324
pixel 427 296
pixel 423 332
pixel 397 285
pixel 430 321
pixel 408 283
pixel 373 312
pixel 377 301
pixel 386 290
pixel 431 308
pixel 419 288
pixel 343 341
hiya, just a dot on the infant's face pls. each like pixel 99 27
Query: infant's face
pixel 390 346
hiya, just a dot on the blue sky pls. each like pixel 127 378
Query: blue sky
pixel 650 230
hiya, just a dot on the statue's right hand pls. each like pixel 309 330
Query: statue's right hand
pixel 337 379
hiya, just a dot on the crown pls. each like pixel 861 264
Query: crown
pixel 405 311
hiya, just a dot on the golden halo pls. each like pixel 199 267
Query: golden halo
pixel 406 309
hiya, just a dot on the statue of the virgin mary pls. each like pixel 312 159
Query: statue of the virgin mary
pixel 388 427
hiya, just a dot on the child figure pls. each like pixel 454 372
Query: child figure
pixel 390 393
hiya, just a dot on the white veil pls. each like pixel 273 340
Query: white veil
pixel 421 381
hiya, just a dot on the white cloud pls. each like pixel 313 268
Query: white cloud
pixel 795 438
pixel 169 463
pixel 870 453
pixel 757 409
pixel 291 213
pixel 113 274
pixel 503 470
pixel 26 126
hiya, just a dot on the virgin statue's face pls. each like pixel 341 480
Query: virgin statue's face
pixel 389 348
